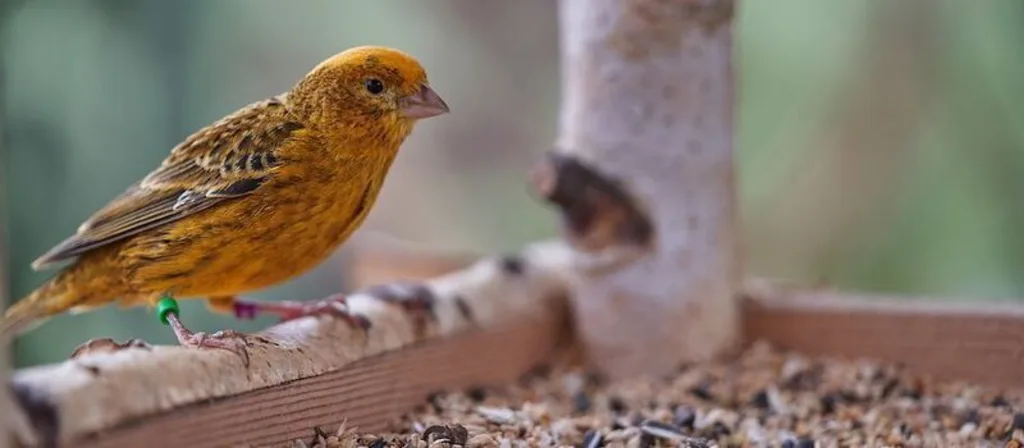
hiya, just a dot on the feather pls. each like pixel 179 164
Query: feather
pixel 226 160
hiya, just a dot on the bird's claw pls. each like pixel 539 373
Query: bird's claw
pixel 334 306
pixel 289 310
pixel 229 340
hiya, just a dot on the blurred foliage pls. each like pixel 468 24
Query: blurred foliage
pixel 880 143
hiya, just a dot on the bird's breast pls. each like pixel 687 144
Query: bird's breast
pixel 305 223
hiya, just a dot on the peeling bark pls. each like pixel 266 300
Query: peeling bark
pixel 644 179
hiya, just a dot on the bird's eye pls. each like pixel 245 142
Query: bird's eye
pixel 374 86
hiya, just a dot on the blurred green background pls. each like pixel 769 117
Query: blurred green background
pixel 881 143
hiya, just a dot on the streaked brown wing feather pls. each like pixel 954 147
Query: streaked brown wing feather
pixel 228 159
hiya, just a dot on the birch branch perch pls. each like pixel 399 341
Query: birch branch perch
pixel 102 391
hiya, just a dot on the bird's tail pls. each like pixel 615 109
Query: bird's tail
pixel 71 288
pixel 28 312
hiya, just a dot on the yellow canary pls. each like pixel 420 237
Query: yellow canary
pixel 252 200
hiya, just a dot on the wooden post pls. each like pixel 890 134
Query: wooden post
pixel 644 178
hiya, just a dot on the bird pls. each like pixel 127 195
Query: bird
pixel 250 201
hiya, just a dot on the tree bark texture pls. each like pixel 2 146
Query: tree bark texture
pixel 643 175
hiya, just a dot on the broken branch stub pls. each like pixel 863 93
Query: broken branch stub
pixel 643 176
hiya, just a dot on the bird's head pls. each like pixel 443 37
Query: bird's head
pixel 368 86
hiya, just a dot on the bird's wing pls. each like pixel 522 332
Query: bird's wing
pixel 228 159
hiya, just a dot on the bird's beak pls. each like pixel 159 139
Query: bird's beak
pixel 423 104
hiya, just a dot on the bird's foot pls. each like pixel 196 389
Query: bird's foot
pixel 229 340
pixel 288 310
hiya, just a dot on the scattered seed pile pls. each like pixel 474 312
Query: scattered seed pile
pixel 763 398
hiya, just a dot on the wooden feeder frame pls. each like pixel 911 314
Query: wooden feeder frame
pixel 978 343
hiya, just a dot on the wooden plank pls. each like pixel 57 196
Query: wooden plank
pixel 970 341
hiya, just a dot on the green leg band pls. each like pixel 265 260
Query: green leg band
pixel 166 305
